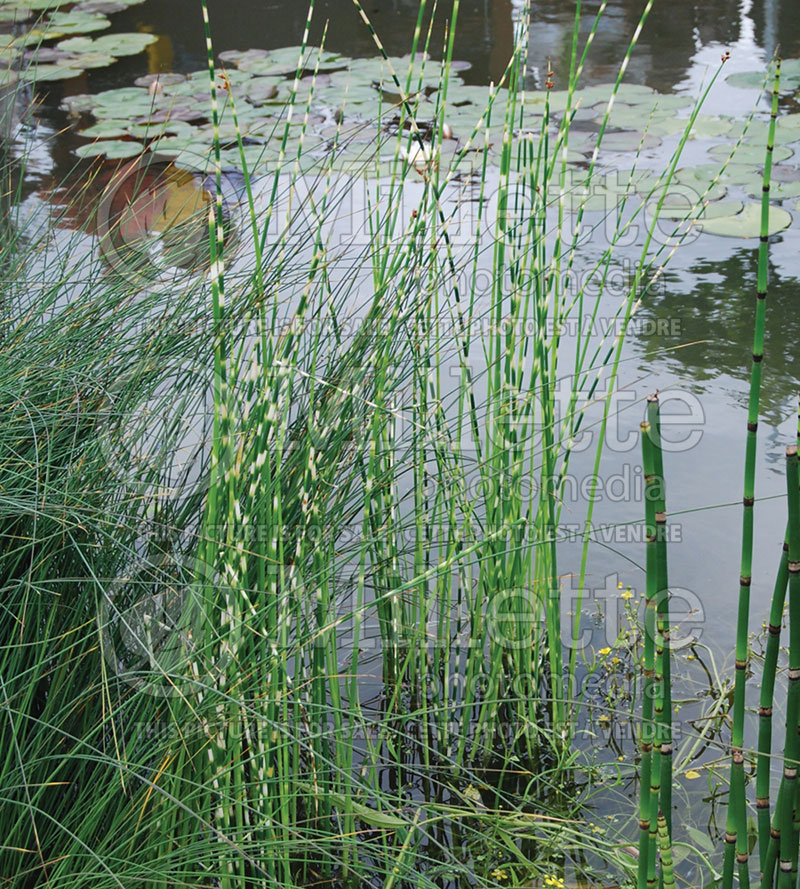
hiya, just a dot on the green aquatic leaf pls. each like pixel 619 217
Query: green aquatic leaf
pixel 109 44
pixel 110 149
pixel 106 129
pixel 629 140
pixel 38 73
pixel 749 154
pixel 747 224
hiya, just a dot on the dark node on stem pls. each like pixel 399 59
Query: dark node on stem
pixel 762 294
pixel 794 567
pixel 748 501
pixel 794 674
pixel 644 825
pixel 774 833
pixel 730 837
pixel 742 857
pixel 757 359
pixel 741 665
pixel 770 147
pixel 791 450
pixel 765 711
pixel 738 758
pixel 785 546
pixel 786 866
pixel 774 631
pixel 666 749
pixel 752 427
pixel 763 238
pixel 661 518
pixel 790 773
pixel 745 581
pixel 762 802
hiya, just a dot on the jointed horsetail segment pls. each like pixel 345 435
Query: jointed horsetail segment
pixel 661 797
pixel 736 840
pixel 785 817
pixel 646 862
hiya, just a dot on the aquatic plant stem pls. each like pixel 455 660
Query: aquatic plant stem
pixel 646 861
pixel 736 841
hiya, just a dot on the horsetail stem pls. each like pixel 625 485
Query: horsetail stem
pixel 646 861
pixel 736 841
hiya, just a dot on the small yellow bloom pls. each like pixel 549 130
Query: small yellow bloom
pixel 499 874
pixel 555 882
pixel 604 651
pixel 619 585
pixel 692 774
pixel 626 595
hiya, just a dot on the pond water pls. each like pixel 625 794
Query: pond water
pixel 692 339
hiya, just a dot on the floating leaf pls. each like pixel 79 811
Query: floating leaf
pixel 629 141
pixel 747 224
pixel 110 148
pixel 750 154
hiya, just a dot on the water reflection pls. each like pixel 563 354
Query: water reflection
pixel 710 306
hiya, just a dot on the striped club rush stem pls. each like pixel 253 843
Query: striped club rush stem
pixel 646 863
pixel 736 841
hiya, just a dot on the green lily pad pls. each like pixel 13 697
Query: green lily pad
pixel 106 130
pixel 747 224
pixel 111 149
pixel 707 127
pixel 110 44
pixel 37 73
pixel 629 141
pixel 750 154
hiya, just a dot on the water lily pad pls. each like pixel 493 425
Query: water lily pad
pixel 676 209
pixel 750 154
pixel 110 44
pixel 175 113
pixel 707 127
pixel 163 80
pixel 111 149
pixel 747 224
pixel 106 130
pixel 629 141
pixel 37 73
pixel 758 80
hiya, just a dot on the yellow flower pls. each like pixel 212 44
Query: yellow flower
pixel 619 585
pixel 499 874
pixel 604 651
pixel 626 595
pixel 555 882
pixel 692 774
